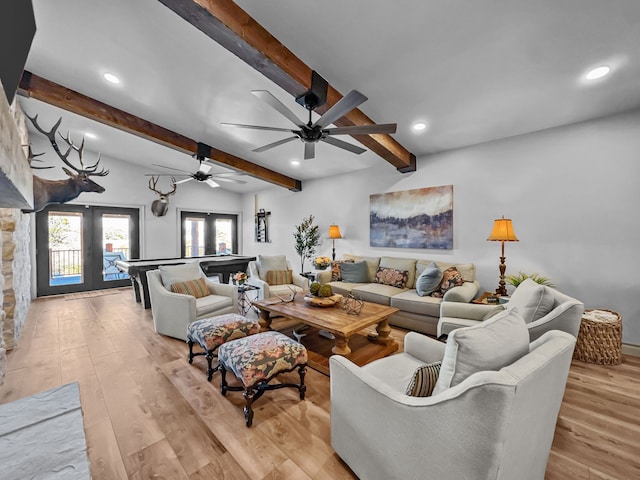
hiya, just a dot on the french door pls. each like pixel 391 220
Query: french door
pixel 77 247
pixel 208 234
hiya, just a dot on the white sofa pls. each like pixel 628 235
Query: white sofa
pixel 416 313
pixel 173 312
pixel 543 308
pixel 497 423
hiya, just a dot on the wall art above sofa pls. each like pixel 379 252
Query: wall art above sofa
pixel 420 218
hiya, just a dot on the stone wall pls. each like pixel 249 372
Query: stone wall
pixel 15 259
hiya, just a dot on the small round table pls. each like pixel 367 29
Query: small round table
pixel 600 338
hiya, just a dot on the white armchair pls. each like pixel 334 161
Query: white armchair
pixel 258 273
pixel 543 308
pixel 173 312
pixel 495 425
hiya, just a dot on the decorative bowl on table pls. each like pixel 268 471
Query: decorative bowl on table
pixel 322 302
pixel 321 263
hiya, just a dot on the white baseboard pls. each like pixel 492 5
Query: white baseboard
pixel 629 349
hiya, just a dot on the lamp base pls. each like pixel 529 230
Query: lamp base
pixel 502 289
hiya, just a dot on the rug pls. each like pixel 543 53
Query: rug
pixel 42 436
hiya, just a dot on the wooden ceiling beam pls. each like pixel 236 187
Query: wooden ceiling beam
pixel 52 93
pixel 233 28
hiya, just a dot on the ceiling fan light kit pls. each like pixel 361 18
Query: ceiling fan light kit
pixel 311 133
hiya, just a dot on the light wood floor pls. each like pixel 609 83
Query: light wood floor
pixel 149 414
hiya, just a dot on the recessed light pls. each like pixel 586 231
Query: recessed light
pixel 419 126
pixel 597 72
pixel 295 163
pixel 90 135
pixel 111 78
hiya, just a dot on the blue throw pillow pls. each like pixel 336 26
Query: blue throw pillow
pixel 428 280
pixel 356 272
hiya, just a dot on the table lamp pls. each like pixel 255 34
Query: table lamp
pixel 502 232
pixel 334 232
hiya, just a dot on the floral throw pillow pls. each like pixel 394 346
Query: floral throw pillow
pixel 336 273
pixel 392 277
pixel 451 277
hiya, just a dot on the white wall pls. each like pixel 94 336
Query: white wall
pixel 571 193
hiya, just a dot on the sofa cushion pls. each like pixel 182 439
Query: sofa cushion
pixel 395 370
pixel 196 288
pixel 270 262
pixel 372 264
pixel 450 278
pixel 171 274
pixel 410 301
pixel 424 380
pixel 211 304
pixel 467 270
pixel 428 280
pixel 408 264
pixel 336 272
pixel 344 288
pixel 392 277
pixel 489 345
pixel 377 292
pixel 355 272
pixel 532 300
pixel 279 277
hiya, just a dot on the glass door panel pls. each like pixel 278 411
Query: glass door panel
pixel 65 248
pixel 194 237
pixel 224 229
pixel 116 245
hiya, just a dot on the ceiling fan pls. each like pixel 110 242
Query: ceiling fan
pixel 311 132
pixel 201 175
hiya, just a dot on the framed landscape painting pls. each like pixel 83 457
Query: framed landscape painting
pixel 421 218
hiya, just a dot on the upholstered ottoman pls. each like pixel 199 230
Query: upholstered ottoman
pixel 212 332
pixel 256 360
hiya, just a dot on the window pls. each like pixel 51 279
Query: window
pixel 208 234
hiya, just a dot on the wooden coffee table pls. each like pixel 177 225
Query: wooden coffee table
pixel 343 326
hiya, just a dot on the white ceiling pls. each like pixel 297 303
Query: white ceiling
pixel 475 70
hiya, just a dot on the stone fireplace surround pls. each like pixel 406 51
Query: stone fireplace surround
pixel 16 192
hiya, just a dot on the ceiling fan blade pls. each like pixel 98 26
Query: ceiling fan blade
pixel 363 129
pixel 171 168
pixel 256 127
pixel 184 181
pixel 273 102
pixel 339 143
pixel 274 144
pixel 228 180
pixel 167 174
pixel 204 168
pixel 347 103
pixel 211 183
pixel 309 151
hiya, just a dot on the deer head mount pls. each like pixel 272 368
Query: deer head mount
pixel 46 192
pixel 159 207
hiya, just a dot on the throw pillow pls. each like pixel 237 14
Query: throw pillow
pixel 270 262
pixel 171 274
pixel 355 272
pixel 450 278
pixel 280 277
pixel 196 288
pixel 428 280
pixel 424 380
pixel 336 273
pixel 532 300
pixel 392 277
pixel 489 345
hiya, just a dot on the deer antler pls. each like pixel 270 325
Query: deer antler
pixel 51 135
pixel 153 181
pixel 32 158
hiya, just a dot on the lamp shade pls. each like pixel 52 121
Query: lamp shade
pixel 334 231
pixel 502 231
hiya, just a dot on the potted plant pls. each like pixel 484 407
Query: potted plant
pixel 516 280
pixel 307 238
pixel 321 263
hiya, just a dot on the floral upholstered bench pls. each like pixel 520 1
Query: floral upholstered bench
pixel 256 360
pixel 212 332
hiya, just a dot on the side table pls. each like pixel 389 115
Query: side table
pixel 600 338
pixel 244 303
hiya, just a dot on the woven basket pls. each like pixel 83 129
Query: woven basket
pixel 600 341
